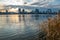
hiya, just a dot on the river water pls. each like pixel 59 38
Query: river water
pixel 21 27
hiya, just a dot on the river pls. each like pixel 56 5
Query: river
pixel 21 27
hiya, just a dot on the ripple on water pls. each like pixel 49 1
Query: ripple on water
pixel 16 29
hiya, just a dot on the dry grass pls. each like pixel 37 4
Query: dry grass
pixel 52 28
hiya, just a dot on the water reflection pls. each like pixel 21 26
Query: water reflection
pixel 25 25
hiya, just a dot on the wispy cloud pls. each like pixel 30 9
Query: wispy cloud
pixel 11 2
pixel 29 2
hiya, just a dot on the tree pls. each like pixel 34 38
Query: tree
pixel 37 10
pixel 49 11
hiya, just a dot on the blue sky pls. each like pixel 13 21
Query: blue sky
pixel 55 2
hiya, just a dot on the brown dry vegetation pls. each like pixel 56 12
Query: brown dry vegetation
pixel 52 28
